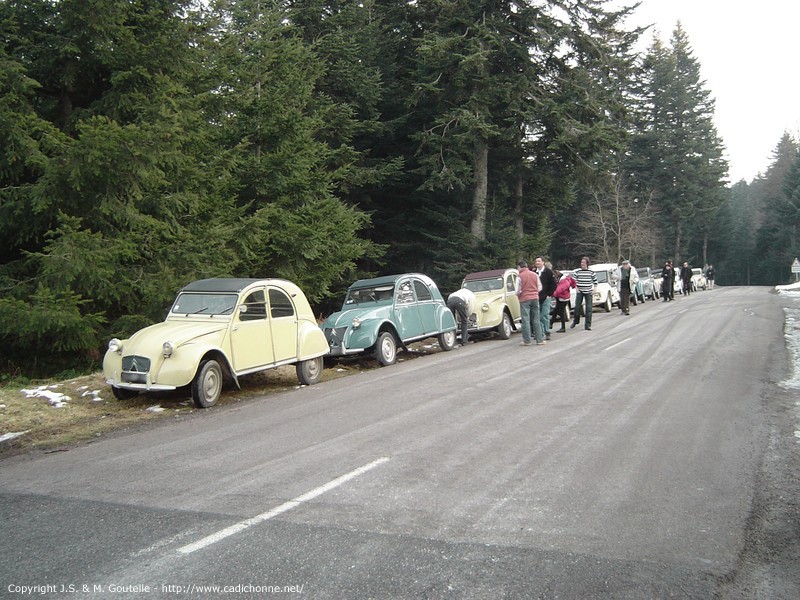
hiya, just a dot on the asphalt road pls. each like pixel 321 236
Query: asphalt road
pixel 652 457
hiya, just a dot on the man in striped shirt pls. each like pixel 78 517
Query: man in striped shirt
pixel 586 280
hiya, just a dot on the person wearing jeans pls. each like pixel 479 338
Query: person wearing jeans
pixel 585 280
pixel 528 288
pixel 548 281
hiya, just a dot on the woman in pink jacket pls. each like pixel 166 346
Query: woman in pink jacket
pixel 565 282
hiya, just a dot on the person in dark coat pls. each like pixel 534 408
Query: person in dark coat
pixel 668 282
pixel 548 279
pixel 686 278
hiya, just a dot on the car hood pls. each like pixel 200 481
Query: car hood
pixel 489 297
pixel 345 318
pixel 151 338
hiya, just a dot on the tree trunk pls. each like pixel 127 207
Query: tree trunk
pixel 481 171
pixel 519 221
pixel 677 258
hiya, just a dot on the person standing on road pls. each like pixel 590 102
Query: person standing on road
pixel 528 288
pixel 548 281
pixel 668 282
pixel 561 296
pixel 462 303
pixel 686 278
pixel 710 276
pixel 586 281
pixel 626 277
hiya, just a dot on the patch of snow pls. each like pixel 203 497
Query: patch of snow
pixel 94 393
pixel 155 409
pixel 56 399
pixel 10 436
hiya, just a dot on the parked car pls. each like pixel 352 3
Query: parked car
pixel 218 330
pixel 647 279
pixel 658 281
pixel 605 294
pixel 380 314
pixel 496 303
pixel 699 281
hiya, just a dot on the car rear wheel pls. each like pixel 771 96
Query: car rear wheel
pixel 447 340
pixel 207 384
pixel 504 329
pixel 309 371
pixel 386 349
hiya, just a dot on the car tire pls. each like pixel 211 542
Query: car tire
pixel 123 394
pixel 386 349
pixel 447 340
pixel 309 371
pixel 207 384
pixel 568 312
pixel 505 328
pixel 608 304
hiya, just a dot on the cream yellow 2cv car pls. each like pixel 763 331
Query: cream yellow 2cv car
pixel 496 303
pixel 218 330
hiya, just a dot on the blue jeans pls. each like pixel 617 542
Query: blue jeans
pixel 529 311
pixel 586 299
pixel 544 314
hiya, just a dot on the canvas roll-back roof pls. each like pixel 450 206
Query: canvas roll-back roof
pixel 229 284
pixel 486 274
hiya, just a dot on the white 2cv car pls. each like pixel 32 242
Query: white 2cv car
pixel 218 330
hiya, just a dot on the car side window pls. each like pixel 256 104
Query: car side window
pixel 280 305
pixel 511 282
pixel 405 294
pixel 255 307
pixel 423 293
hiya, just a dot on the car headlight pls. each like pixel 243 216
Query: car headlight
pixel 485 307
pixel 356 323
pixel 168 348
pixel 115 345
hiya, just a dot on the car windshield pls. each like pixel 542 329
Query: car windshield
pixel 484 285
pixel 379 293
pixel 189 303
pixel 642 272
pixel 697 271
pixel 602 276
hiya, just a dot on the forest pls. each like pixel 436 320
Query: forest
pixel 145 144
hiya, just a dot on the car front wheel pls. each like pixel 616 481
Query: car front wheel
pixel 122 393
pixel 387 349
pixel 447 340
pixel 504 329
pixel 309 371
pixel 207 384
pixel 608 303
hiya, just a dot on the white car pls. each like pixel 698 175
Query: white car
pixel 573 292
pixel 605 294
pixel 650 285
pixel 699 281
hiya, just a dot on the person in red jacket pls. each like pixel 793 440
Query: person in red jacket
pixel 562 294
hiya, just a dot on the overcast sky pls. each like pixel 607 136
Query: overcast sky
pixel 749 56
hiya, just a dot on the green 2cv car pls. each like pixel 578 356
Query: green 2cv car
pixel 380 314
pixel 217 330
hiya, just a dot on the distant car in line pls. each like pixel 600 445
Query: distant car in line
pixel 606 294
pixel 699 281
pixel 218 330
pixel 496 302
pixel 381 314
pixel 648 281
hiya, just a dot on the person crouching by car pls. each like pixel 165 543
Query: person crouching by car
pixel 461 303
pixel 561 294
pixel 626 277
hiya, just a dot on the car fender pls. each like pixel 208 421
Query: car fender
pixel 181 368
pixel 311 341
pixel 366 334
pixel 447 321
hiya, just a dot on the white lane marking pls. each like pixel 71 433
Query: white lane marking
pixel 619 343
pixel 286 506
